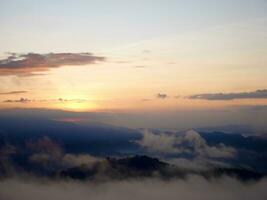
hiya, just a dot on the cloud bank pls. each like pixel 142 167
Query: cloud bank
pixel 151 189
pixel 31 63
pixel 21 100
pixel 258 94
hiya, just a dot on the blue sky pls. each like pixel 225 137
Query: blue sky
pixel 86 25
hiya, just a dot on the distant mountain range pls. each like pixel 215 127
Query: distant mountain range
pixel 66 148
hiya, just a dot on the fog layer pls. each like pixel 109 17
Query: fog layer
pixel 193 188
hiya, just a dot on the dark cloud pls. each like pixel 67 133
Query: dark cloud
pixel 31 63
pixel 258 94
pixel 13 92
pixel 21 100
pixel 161 96
pixel 25 100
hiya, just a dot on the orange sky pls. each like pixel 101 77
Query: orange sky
pixel 173 53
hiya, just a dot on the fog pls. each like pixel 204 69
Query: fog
pixel 194 187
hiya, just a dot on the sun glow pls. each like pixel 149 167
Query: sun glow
pixel 77 105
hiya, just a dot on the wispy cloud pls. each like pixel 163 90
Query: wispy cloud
pixel 161 96
pixel 146 100
pixel 13 92
pixel 258 94
pixel 31 63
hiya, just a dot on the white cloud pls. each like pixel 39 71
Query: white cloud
pixel 160 143
pixel 190 142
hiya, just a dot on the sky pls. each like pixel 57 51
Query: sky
pixel 133 56
pixel 85 80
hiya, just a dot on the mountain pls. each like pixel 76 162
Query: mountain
pixel 143 166
pixel 76 138
pixel 45 146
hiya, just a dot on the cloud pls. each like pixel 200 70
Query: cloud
pixel 150 189
pixel 190 142
pixel 6 166
pixel 45 145
pixel 25 100
pixel 47 151
pixel 73 160
pixel 198 164
pixel 146 100
pixel 21 100
pixel 160 143
pixel 31 63
pixel 161 96
pixel 200 147
pixel 6 150
pixel 65 160
pixel 13 92
pixel 43 158
pixel 258 94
